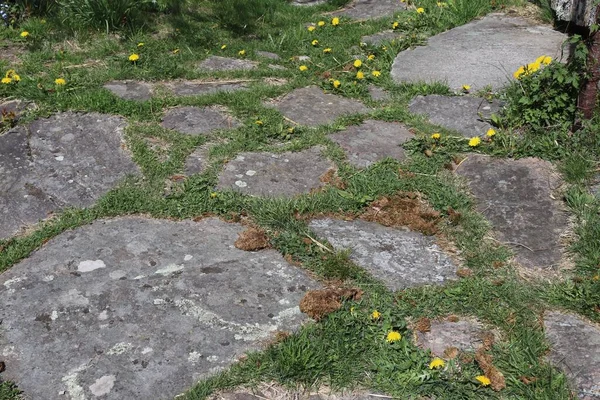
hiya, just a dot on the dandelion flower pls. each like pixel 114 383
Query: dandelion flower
pixel 436 136
pixel 375 314
pixel 16 78
pixel 360 75
pixel 223 47
pixel 314 42
pixel 6 80
pixel 258 122
pixel 213 195
pixel 134 57
pixel 395 25
pixel 547 60
pixel 466 88
pixel 140 44
pixel 311 28
pixel 420 10
pixel 242 52
pixel 303 68
pixel 441 4
pixel 533 67
pixel 60 82
pixel 484 380
pixel 24 34
pixel 336 84
pixel 357 63
pixel 335 21
pixel 371 57
pixel 474 141
pixel 491 132
pixel 321 23
pixel 376 73
pixel 519 72
pixel 436 363
pixel 393 336
pixel 327 50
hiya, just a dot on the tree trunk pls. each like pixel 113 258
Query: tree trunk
pixel 589 92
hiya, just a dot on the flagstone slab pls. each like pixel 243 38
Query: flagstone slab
pixel 218 63
pixel 130 90
pixel 197 161
pixel 400 258
pixel 464 335
pixel 370 9
pixel 372 141
pixel 377 39
pixel 198 121
pixel 480 53
pixel 465 114
pixel 268 54
pixel 136 308
pixel 275 175
pixel 378 94
pixel 67 160
pixel 307 2
pixel 200 88
pixel 310 106
pixel 575 348
pixel 518 198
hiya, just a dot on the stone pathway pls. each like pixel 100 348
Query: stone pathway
pixel 369 9
pixel 143 91
pixel 198 121
pixel 377 39
pixel 130 90
pixel 456 334
pixel 218 63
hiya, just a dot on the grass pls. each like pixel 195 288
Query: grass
pixel 347 348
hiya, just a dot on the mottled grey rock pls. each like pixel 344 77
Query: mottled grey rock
pixel 464 335
pixel 268 174
pixel 516 196
pixel 136 308
pixel 268 54
pixel 372 141
pixel 380 38
pixel 66 160
pixel 399 258
pixel 197 161
pixel 274 391
pixel 480 53
pixel 130 90
pixel 368 9
pixel 378 94
pixel 307 2
pixel 582 13
pixel 199 88
pixel 575 348
pixel 217 63
pixel 198 121
pixel 595 188
pixel 464 114
pixel 310 106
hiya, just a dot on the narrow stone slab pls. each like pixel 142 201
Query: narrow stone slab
pixel 307 2
pixel 399 258
pixel 480 53
pixel 372 141
pixel 197 161
pixel 218 63
pixel 268 54
pixel 273 175
pixel 377 39
pixel 378 94
pixel 310 106
pixel 66 160
pixel 274 391
pixel 130 90
pixel 575 348
pixel 464 335
pixel 200 88
pixel 198 121
pixel 465 114
pixel 136 308
pixel 516 196
pixel 370 9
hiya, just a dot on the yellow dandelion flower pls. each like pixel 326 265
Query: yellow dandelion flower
pixel 491 132
pixel 547 60
pixel 242 52
pixel 376 73
pixel 24 34
pixel 466 88
pixel 314 42
pixel 441 4
pixel 519 72
pixel 134 57
pixel 436 136
pixel 140 44
pixel 223 47
pixel 393 336
pixel 375 314
pixel 360 75
pixel 484 380
pixel 6 81
pixel 395 25
pixel 16 78
pixel 175 51
pixel 303 68
pixel 420 10
pixel 533 67
pixel 327 50
pixel 213 195
pixel 60 82
pixel 371 57
pixel 474 141
pixel 258 122
pixel 321 23
pixel 311 28
pixel 336 84
pixel 436 363
pixel 335 21
pixel 357 64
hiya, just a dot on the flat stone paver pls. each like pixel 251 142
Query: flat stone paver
pixel 377 39
pixel 268 54
pixel 378 94
pixel 399 258
pixel 575 348
pixel 197 161
pixel 480 53
pixel 130 90
pixel 310 106
pixel 218 63
pixel 200 88
pixel 198 121
pixel 372 141
pixel 273 175
pixel 369 9
pixel 66 160
pixel 465 114
pixel 516 196
pixel 136 308
pixel 463 335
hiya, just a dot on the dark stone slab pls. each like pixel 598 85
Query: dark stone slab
pixel 268 54
pixel 66 160
pixel 369 9
pixel 130 90
pixel 136 308
pixel 575 348
pixel 464 335
pixel 218 63
pixel 310 106
pixel 198 121
pixel 273 175
pixel 516 196
pixel 378 94
pixel 380 38
pixel 372 141
pixel 480 53
pixel 199 88
pixel 197 161
pixel 399 258
pixel 465 114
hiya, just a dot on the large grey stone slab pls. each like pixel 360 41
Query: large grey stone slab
pixel 399 258
pixel 130 90
pixel 269 174
pixel 198 121
pixel 372 141
pixel 136 308
pixel 379 38
pixel 218 63
pixel 575 348
pixel 199 88
pixel 369 9
pixel 463 335
pixel 310 106
pixel 66 160
pixel 517 197
pixel 465 114
pixel 480 53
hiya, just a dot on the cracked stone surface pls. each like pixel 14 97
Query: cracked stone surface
pixel 198 121
pixel 399 258
pixel 136 308
pixel 218 63
pixel 130 90
pixel 369 9
pixel 464 335
pixel 378 94
pixel 66 160
pixel 480 53
pixel 464 114
pixel 273 175
pixel 197 161
pixel 310 106
pixel 199 88
pixel 575 348
pixel 517 197
pixel 372 141
pixel 377 39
